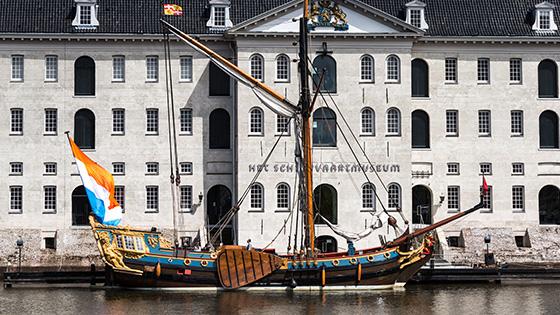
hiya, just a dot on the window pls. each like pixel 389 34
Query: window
pixel 186 68
pixel 257 196
pixel 118 121
pixel 548 130
pixel 453 204
pixel 50 242
pixel 84 129
pixel 118 69
pixel 486 168
pixel 16 121
pixel 484 127
pixel 16 168
pixel 152 168
pixel 219 129
pixel 368 122
pixel 487 200
pixel 420 78
pixel 415 17
pixel 515 70
pixel 393 65
pixel 483 73
pixel 219 16
pixel 452 168
pixel 152 68
pixel 51 118
pixel 452 123
pixel 218 81
pixel 118 168
pixel 256 121
pixel 152 198
pixel 185 168
pixel 420 129
pixel 548 79
pixel 185 198
pixel 518 198
pixel 282 68
pixel 324 128
pixel 453 241
pixel 393 122
pixel 516 123
pixel 325 199
pixel 49 193
pixel 549 203
pixel 368 197
pixel 51 68
pixel 544 19
pixel 367 69
pixel 257 67
pixel 17 68
pixel 152 121
pixel 324 65
pixel 185 121
pixel 282 125
pixel 84 76
pixel 283 196
pixel 394 196
pixel 517 168
pixel 120 196
pixel 451 70
pixel 50 168
pixel 16 199
pixel 85 14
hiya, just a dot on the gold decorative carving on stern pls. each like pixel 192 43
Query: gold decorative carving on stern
pixel 111 256
pixel 164 243
pixel 153 241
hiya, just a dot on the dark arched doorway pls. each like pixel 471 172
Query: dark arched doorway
pixel 420 78
pixel 218 203
pixel 84 76
pixel 421 205
pixel 548 79
pixel 548 130
pixel 326 203
pixel 80 206
pixel 420 129
pixel 549 205
pixel 84 129
pixel 219 129
pixel 326 244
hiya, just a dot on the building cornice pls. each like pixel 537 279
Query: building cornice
pixel 489 39
pixel 327 35
pixel 96 37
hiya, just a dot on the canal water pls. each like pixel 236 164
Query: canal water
pixel 415 300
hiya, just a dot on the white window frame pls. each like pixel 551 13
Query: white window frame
pixel 515 71
pixel 49 200
pixel 152 168
pixel 118 121
pixel 256 201
pixel 220 16
pixel 16 121
pixel 367 69
pixel 120 196
pixel 152 69
pixel 78 20
pixel 13 203
pixel 256 122
pixel 256 66
pixel 516 123
pixel 184 168
pixel 368 197
pixel 283 70
pixel 393 122
pixel 415 17
pixel 392 195
pixel 51 121
pixel 483 130
pixel 152 199
pixel 392 71
pixel 451 73
pixel 185 198
pixel 283 125
pixel 16 168
pixel 51 68
pixel 453 200
pixel 283 197
pixel 487 200
pixel 367 121
pixel 186 69
pixel 119 68
pixel 452 165
pixel 186 121
pixel 18 68
pixel 483 71
pixel 116 171
pixel 518 198
pixel 487 165
pixel 152 121
pixel 50 169
pixel 452 123
pixel 517 168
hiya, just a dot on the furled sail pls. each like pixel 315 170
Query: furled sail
pixel 271 99
pixel 351 236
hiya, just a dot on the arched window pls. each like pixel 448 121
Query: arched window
pixel 367 73
pixel 256 121
pixel 549 205
pixel 368 121
pixel 257 196
pixel 368 197
pixel 393 67
pixel 257 67
pixel 219 129
pixel 84 129
pixel 326 244
pixel 548 130
pixel 420 78
pixel 84 76
pixel 80 206
pixel 394 196
pixel 324 128
pixel 325 64
pixel 420 129
pixel 283 196
pixel 393 122
pixel 282 68
pixel 326 201
pixel 548 79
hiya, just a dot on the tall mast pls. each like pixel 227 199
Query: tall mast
pixel 306 130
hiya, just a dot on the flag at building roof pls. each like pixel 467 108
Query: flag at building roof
pixel 172 9
pixel 99 186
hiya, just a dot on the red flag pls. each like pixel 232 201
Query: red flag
pixel 484 186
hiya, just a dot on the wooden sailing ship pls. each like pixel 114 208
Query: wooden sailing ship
pixel 144 258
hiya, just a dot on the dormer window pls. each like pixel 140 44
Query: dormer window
pixel 544 17
pixel 415 14
pixel 219 14
pixel 86 14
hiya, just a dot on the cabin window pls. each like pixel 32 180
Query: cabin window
pixel 128 242
pixel 84 76
pixel 326 244
pixel 548 79
pixel 84 129
pixel 367 72
pixel 368 197
pixel 368 122
pixel 393 68
pixel 256 121
pixel 139 244
pixel 548 130
pixel 282 196
pixel 420 78
pixel 420 129
pixel 119 241
pixel 218 81
pixel 257 196
pixel 326 202
pixel 219 129
pixel 257 67
pixel 325 66
pixel 324 128
pixel 549 205
pixel 393 122
pixel 282 68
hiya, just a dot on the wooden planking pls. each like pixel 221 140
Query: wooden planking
pixel 239 267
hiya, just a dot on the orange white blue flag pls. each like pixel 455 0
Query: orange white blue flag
pixel 100 188
pixel 172 9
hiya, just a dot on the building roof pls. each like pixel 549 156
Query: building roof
pixel 448 18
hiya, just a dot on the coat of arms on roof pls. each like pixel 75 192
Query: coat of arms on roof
pixel 327 13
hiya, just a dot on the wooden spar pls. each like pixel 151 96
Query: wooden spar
pixel 306 9
pixel 235 68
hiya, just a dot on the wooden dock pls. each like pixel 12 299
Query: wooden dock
pixel 92 276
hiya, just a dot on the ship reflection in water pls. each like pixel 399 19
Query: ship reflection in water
pixel 425 299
